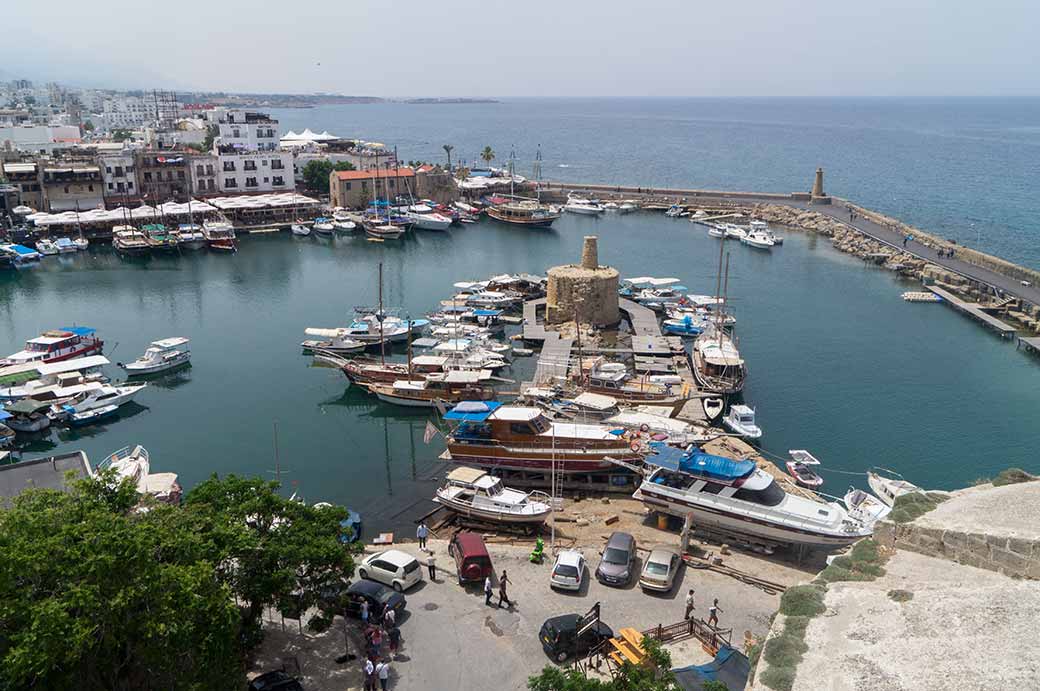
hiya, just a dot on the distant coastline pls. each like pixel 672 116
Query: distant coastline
pixel 312 100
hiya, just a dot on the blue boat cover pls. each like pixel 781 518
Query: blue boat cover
pixel 472 411
pixel 696 462
pixel 79 330
pixel 486 313
pixel 4 414
pixel 730 666
pixel 22 249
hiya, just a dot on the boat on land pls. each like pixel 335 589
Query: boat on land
pixel 736 498
pixel 888 489
pixel 741 419
pixel 220 236
pixel 436 390
pixel 336 341
pixel 56 345
pixel 161 356
pixel 46 247
pixel 524 212
pixel 800 467
pixel 474 493
pixel 129 240
pixel 509 437
pixel 660 428
pixel 191 236
pixel 865 505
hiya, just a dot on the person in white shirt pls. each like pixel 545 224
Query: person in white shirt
pixel 689 605
pixel 488 592
pixel 422 532
pixel 383 671
pixel 370 675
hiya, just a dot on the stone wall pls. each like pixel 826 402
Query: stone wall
pixel 578 294
pixel 1011 556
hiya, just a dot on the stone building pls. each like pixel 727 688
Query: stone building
pixel 162 176
pixel 586 292
pixel 25 176
pixel 353 189
pixel 71 186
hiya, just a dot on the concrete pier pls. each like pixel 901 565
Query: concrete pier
pixel 974 310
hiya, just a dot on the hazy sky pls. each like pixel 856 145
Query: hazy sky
pixel 533 47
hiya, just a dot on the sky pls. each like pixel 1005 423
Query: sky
pixel 489 48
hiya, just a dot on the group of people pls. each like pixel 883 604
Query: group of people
pixel 945 253
pixel 502 596
pixel 376 665
pixel 713 611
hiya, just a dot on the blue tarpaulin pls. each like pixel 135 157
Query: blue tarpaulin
pixel 22 249
pixel 730 666
pixel 696 462
pixel 486 313
pixel 79 330
pixel 472 411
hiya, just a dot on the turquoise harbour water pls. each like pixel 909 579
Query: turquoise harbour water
pixel 966 169
pixel 839 364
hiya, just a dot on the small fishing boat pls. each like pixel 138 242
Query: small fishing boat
pixel 46 247
pixel 474 493
pixel 337 341
pixel 323 226
pixel 741 419
pixel 713 407
pixel 758 239
pixel 300 229
pixel 674 211
pixel 65 246
pixel 160 356
pixel 687 326
pixel 191 236
pixel 28 415
pixel 889 489
pixel 865 506
pixel 801 466
pixel 763 228
pixel 89 417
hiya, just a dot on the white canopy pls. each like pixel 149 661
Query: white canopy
pixel 143 212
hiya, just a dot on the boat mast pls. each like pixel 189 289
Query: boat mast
pixel 538 175
pixel 386 188
pixel 379 318
pixel 719 308
pixel 375 177
pixel 79 228
pixel 408 323
pixel 512 170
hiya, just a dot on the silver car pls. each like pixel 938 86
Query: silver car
pixel 659 570
pixel 615 567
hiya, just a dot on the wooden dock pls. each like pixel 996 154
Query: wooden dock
pixel 974 310
pixel 1032 343
pixel 643 319
pixel 554 360
pixel 533 329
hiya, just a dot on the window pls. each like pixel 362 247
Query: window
pixel 251 182
pixel 108 169
pixel 276 164
pixel 66 189
pixel 235 133
pixel 199 169
pixel 770 495
pixel 364 185
pixel 392 183
pixel 348 185
pixel 90 188
pixel 120 187
pixel 229 166
pixel 210 186
pixel 119 171
pixel 249 165
pixel 265 163
pixel 110 185
pixel 230 182
pixel 129 185
pixel 147 176
pixel 209 169
pixel 277 180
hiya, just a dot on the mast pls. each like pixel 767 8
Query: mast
pixel 375 176
pixel 386 188
pixel 79 228
pixel 408 322
pixel 538 175
pixel 718 283
pixel 512 170
pixel 718 308
pixel 379 318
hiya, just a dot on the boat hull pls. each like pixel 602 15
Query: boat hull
pixel 141 370
pixel 24 425
pixel 469 511
pixel 223 245
pixel 541 458
pixel 534 222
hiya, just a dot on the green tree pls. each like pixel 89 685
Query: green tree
pixel 343 165
pixel 654 677
pixel 211 134
pixel 448 148
pixel 488 154
pixel 88 126
pixel 121 135
pixel 316 175
pixel 96 596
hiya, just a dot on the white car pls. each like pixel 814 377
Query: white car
pixel 569 570
pixel 393 567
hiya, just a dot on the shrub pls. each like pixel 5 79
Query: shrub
pixel 802 601
pixel 779 678
pixel 1011 476
pixel 901 595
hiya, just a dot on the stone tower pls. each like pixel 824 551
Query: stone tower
pixel 585 292
pixel 817 187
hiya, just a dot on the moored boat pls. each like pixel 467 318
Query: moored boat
pixel 46 247
pixel 220 236
pixel 91 416
pixel 336 341
pixel 524 212
pixel 323 226
pixel 800 467
pixel 741 419
pixel 476 494
pixel 717 363
pixel 129 240
pixel 27 415
pixel 190 236
pixel 160 356
pixel 889 489
pixel 436 390
pixel 54 346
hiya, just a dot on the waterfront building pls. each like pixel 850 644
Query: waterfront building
pixel 25 177
pixel 248 130
pixel 205 170
pixel 68 186
pixel 119 176
pixel 255 171
pixel 162 175
pixel 352 189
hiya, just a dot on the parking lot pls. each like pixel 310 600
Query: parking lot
pixel 451 640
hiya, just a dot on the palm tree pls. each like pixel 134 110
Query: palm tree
pixel 488 154
pixel 447 149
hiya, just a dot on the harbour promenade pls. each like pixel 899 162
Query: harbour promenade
pixel 838 212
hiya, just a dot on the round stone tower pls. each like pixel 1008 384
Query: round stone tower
pixel 585 292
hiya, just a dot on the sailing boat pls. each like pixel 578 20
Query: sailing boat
pixel 524 211
pixel 375 227
pixel 81 243
pixel 716 361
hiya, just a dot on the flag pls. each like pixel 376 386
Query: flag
pixel 440 407
pixel 429 433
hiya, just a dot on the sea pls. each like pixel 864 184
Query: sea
pixel 839 364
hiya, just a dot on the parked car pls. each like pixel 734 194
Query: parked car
pixel 659 570
pixel 393 567
pixel 615 566
pixel 569 570
pixel 560 642
pixel 472 561
pixel 277 680
pixel 378 596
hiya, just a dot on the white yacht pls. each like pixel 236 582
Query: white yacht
pixel 741 419
pixel 46 247
pixel 734 231
pixel 367 328
pixel 579 205
pixel 220 235
pixel 336 341
pixel 476 494
pixel 425 218
pixel 758 239
pixel 865 505
pixel 889 489
pixel 95 397
pixel 492 298
pixel 716 230
pixel 160 356
pixel 300 228
pixel 736 498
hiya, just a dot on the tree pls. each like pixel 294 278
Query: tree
pixel 316 173
pixel 121 135
pixel 96 596
pixel 343 165
pixel 88 126
pixel 212 131
pixel 488 154
pixel 655 677
pixel 448 148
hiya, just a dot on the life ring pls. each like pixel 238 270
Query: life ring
pixel 634 446
pixel 644 427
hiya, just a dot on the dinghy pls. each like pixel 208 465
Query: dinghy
pixel 801 469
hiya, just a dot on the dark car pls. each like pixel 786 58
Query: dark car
pixel 615 567
pixel 472 560
pixel 378 596
pixel 560 643
pixel 277 680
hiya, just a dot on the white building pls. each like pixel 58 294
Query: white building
pixel 258 171
pixel 118 175
pixel 41 139
pixel 126 112
pixel 246 130
pixel 205 174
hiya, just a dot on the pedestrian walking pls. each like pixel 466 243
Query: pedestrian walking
pixel 383 672
pixel 713 613
pixel 487 590
pixel 364 612
pixel 370 675
pixel 689 604
pixel 431 566
pixel 422 532
pixel 395 640
pixel 502 597
pixel 389 619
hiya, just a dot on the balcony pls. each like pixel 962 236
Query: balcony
pixel 229 167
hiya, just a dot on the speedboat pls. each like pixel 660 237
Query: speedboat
pixel 371 329
pixel 627 207
pixel 674 211
pixel 577 205
pixel 343 221
pixel 129 240
pixel 741 419
pixel 425 218
pixel 191 236
pixel 46 247
pixel 300 228
pixel 716 230
pixel 687 326
pixel 98 396
pixel 865 505
pixel 800 467
pixel 66 246
pixel 57 345
pixel 758 239
pixel 763 228
pixel 323 226
pixel 476 494
pixel 889 489
pixel 734 231
pixel 337 341
pixel 492 298
pixel 160 356
pixel 89 417
pixel 220 235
